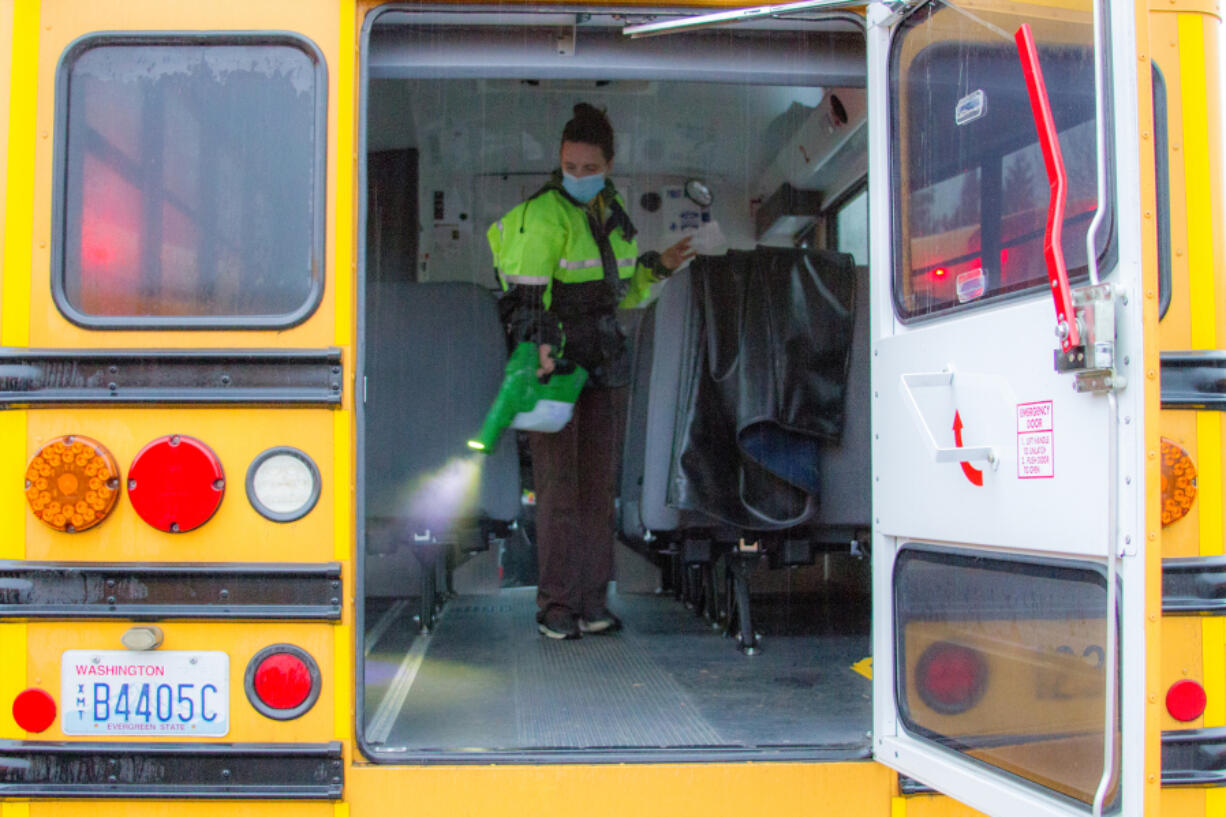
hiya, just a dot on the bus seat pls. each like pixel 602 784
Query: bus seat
pixel 639 326
pixel 846 484
pixel 434 364
pixel 669 347
pixel 660 346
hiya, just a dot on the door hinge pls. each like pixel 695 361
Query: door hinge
pixel 1092 360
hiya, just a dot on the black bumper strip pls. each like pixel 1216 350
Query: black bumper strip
pixel 1194 380
pixel 163 770
pixel 128 376
pixel 1194 757
pixel 1194 585
pixel 248 590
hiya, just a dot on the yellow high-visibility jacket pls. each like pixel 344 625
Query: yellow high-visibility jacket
pixel 565 268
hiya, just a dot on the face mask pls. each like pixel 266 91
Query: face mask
pixel 582 189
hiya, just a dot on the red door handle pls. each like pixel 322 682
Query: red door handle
pixel 1057 178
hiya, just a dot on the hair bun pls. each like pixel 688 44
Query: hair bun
pixel 590 125
pixel 586 110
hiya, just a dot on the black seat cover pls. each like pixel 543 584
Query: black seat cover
pixel 765 385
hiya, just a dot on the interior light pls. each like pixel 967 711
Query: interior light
pixel 283 484
pixel 176 483
pixel 72 483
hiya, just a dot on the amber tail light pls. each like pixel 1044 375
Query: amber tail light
pixel 72 483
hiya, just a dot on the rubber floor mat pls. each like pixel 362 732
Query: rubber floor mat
pixel 485 680
pixel 490 681
pixel 602 691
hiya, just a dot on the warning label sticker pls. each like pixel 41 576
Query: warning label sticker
pixel 1036 448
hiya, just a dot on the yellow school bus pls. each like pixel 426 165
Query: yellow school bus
pixel 248 319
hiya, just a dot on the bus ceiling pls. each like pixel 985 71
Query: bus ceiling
pixel 402 45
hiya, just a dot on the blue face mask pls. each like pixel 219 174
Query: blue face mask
pixel 582 189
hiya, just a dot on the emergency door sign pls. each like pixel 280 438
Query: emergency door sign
pixel 1036 447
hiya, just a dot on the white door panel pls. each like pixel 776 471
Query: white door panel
pixel 1003 558
pixel 1060 450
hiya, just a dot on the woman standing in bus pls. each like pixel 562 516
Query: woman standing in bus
pixel 567 261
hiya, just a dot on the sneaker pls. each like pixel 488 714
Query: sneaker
pixel 558 624
pixel 606 622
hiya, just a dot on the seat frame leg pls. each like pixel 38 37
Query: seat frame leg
pixel 710 606
pixel 428 557
pixel 740 618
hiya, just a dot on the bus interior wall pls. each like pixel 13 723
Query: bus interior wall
pixel 466 669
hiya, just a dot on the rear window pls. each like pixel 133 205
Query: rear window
pixel 1003 661
pixel 189 180
pixel 972 189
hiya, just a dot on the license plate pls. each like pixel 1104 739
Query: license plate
pixel 162 692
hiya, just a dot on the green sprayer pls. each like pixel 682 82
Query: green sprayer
pixel 530 403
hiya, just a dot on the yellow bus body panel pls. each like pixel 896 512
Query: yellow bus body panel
pixel 1184 39
pixel 828 789
pixel 236 532
pixel 239 640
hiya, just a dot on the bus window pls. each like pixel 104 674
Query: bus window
pixel 153 134
pixel 973 190
pixel 1001 659
pixel 851 227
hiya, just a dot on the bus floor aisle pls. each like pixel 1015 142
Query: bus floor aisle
pixel 484 679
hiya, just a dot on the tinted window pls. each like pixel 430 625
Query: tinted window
pixel 971 188
pixel 1003 660
pixel 190 181
pixel 851 228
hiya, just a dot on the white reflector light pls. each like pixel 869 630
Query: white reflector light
pixel 283 484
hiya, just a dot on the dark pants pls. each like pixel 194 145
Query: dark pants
pixel 575 471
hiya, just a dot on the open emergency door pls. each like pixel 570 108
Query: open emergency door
pixel 1008 572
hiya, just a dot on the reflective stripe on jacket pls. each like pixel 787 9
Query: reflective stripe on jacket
pixel 547 241
pixel 560 288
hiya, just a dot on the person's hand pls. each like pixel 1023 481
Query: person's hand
pixel 548 364
pixel 678 254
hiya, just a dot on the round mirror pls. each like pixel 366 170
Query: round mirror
pixel 697 191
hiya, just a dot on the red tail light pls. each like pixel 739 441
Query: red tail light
pixel 282 682
pixel 951 678
pixel 34 710
pixel 176 483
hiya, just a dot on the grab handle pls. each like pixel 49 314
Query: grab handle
pixel 1057 179
pixel 930 380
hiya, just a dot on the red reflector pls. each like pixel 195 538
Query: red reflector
pixel 176 483
pixel 282 681
pixel 34 710
pixel 1186 700
pixel 951 678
